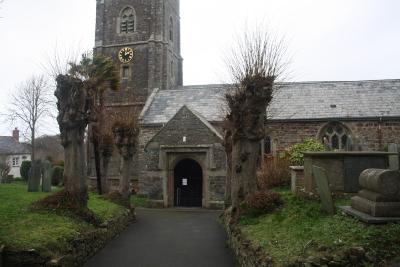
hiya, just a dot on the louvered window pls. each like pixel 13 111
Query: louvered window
pixel 127 22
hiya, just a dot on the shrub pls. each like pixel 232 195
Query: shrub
pixel 24 170
pixel 274 172
pixel 295 152
pixel 57 176
pixel 8 179
pixel 261 202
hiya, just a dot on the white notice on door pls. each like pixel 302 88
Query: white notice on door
pixel 184 181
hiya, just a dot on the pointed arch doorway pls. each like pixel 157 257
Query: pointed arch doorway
pixel 188 184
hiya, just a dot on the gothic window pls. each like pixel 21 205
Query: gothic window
pixel 171 29
pixel 336 136
pixel 127 20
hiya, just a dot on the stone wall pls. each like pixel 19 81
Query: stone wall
pixel 366 135
pixel 247 253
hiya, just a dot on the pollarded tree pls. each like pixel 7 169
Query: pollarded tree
pixel 228 150
pixel 107 148
pixel 73 118
pixel 98 74
pixel 77 91
pixel 255 64
pixel 126 133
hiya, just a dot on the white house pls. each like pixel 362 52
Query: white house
pixel 14 151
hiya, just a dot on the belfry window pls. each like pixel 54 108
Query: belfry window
pixel 127 21
pixel 336 136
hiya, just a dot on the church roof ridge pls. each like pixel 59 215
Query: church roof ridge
pixel 339 81
pixel 227 85
pixel 292 101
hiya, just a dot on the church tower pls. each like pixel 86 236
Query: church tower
pixel 143 39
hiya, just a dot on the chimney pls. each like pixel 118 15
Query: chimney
pixel 15 134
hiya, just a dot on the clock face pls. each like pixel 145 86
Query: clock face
pixel 125 54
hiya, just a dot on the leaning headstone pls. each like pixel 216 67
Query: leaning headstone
pixel 46 176
pixel 35 175
pixel 393 159
pixel 322 182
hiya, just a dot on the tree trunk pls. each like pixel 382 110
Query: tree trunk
pixel 33 144
pixel 97 135
pixel 244 180
pixel 74 167
pixel 104 182
pixel 126 142
pixel 124 186
pixel 97 162
pixel 73 118
pixel 247 116
pixel 228 181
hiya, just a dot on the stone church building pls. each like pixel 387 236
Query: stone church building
pixel 181 161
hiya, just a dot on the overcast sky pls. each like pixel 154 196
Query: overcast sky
pixel 328 39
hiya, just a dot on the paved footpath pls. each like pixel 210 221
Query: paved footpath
pixel 168 238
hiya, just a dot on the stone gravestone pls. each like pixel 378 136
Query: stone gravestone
pixel 46 176
pixel 380 194
pixel 379 199
pixel 35 175
pixel 321 180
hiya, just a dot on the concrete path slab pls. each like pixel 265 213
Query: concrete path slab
pixel 169 238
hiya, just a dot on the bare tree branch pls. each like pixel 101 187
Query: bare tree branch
pixel 30 104
pixel 256 62
pixel 258 52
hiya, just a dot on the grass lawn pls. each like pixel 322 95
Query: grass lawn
pixel 45 232
pixel 299 229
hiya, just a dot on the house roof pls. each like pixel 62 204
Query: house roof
pixel 292 101
pixel 8 146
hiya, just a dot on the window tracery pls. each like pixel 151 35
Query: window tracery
pixel 336 136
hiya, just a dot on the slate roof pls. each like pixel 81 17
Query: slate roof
pixel 206 123
pixel 292 101
pixel 205 99
pixel 8 146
